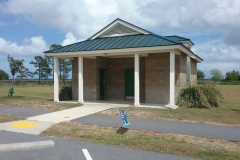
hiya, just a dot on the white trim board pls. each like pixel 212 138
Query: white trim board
pixel 115 24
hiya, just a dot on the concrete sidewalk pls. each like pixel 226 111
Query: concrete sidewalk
pixel 73 113
pixel 36 124
pixel 166 126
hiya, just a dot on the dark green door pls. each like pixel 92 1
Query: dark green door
pixel 102 83
pixel 129 83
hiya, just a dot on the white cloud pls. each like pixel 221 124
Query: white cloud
pixel 69 39
pixel 218 55
pixel 84 17
pixel 197 13
pixel 30 47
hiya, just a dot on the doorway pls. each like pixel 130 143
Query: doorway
pixel 129 83
pixel 103 83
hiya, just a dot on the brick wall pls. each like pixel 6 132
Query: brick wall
pixel 178 74
pixel 157 78
pixel 115 77
pixel 142 79
pixel 89 79
pixel 193 78
pixel 154 77
pixel 75 78
pixel 116 89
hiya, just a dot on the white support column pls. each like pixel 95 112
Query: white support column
pixel 172 80
pixel 80 80
pixel 136 80
pixel 56 84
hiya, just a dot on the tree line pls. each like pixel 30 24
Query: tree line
pixel 216 75
pixel 44 67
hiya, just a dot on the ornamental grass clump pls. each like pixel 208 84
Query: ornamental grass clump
pixel 200 96
pixel 212 93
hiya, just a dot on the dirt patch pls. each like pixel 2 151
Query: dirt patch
pixel 236 110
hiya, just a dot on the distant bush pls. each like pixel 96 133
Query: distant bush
pixel 222 82
pixel 65 93
pixel 225 82
pixel 206 95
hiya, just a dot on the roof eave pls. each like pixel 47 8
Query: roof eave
pixel 126 51
pixel 190 53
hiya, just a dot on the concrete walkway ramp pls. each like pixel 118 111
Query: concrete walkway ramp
pixel 77 112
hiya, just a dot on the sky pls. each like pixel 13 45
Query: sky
pixel 29 27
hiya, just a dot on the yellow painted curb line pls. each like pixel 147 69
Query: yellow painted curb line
pixel 24 125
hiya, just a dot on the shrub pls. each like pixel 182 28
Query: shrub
pixel 212 93
pixel 65 93
pixel 192 97
pixel 200 96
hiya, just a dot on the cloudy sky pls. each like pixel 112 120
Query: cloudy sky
pixel 29 27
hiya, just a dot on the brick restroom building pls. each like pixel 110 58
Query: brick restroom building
pixel 123 61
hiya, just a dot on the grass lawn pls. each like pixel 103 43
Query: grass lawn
pixel 8 118
pixel 183 145
pixel 227 114
pixel 40 97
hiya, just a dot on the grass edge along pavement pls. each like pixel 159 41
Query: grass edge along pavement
pixel 8 118
pixel 227 114
pixel 182 145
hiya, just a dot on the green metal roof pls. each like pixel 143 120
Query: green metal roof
pixel 178 38
pixel 121 42
pixel 143 39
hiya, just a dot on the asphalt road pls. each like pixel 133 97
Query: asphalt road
pixel 184 128
pixel 72 150
pixel 21 112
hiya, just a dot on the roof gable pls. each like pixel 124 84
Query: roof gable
pixel 119 28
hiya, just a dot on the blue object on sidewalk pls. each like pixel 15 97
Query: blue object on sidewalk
pixel 124 117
